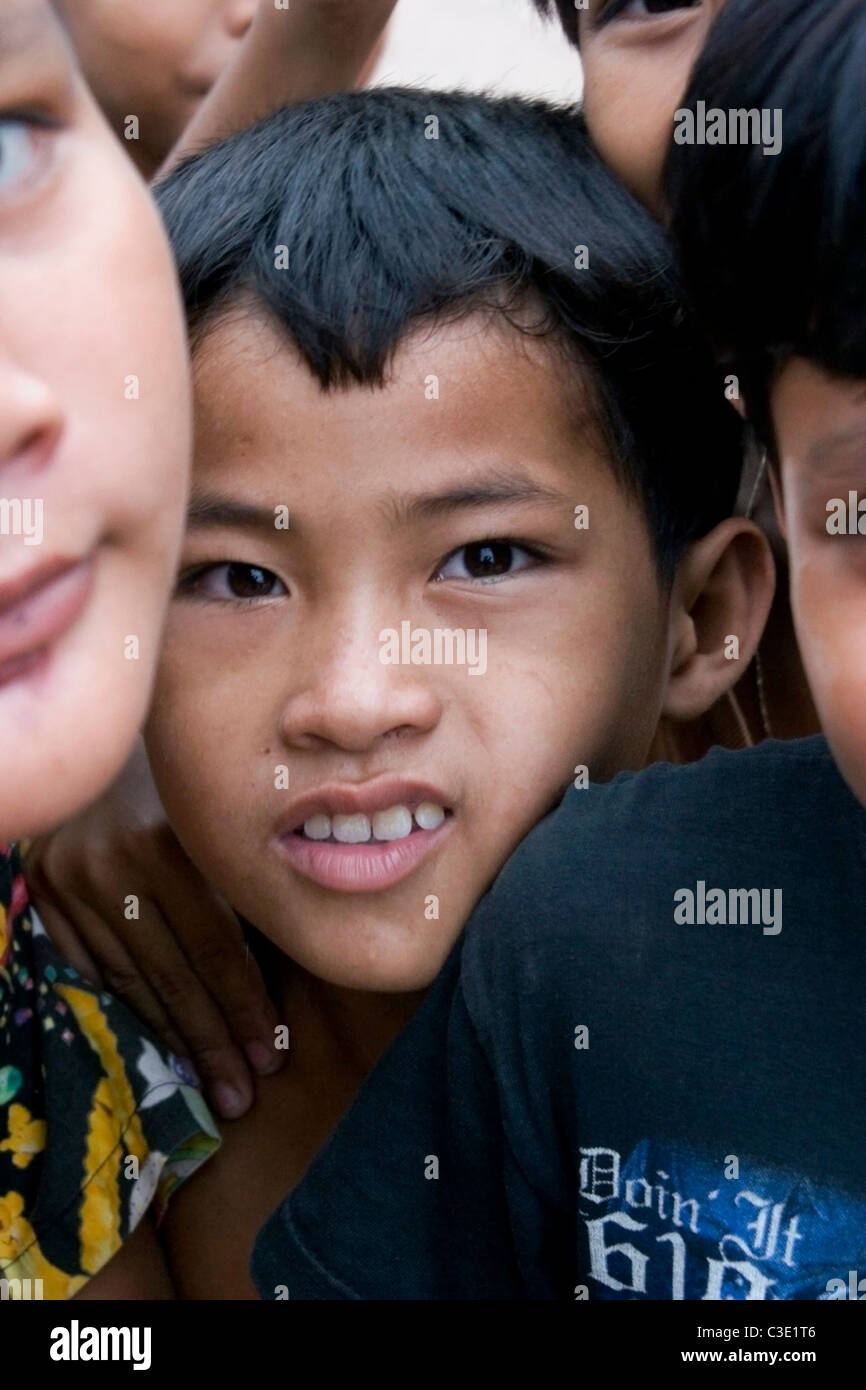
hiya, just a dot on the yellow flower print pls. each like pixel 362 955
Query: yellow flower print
pixel 100 1206
pixel 26 1136
pixel 13 1231
pixel 114 1127
pixel 21 1258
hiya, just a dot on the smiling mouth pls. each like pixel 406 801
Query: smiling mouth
pixel 382 827
pixel 361 852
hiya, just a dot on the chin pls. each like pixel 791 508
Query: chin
pixel 405 978
pixel 390 972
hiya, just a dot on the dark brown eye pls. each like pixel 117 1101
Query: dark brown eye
pixel 248 581
pixel 231 580
pixel 489 559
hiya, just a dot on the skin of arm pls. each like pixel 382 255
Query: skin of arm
pixel 138 1271
pixel 295 54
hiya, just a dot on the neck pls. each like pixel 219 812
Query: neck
pixel 351 1028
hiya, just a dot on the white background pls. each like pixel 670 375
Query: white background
pixel 481 45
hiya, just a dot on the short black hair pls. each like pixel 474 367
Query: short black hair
pixel 567 11
pixel 773 247
pixel 384 229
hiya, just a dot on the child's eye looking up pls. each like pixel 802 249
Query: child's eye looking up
pixel 487 561
pixel 232 580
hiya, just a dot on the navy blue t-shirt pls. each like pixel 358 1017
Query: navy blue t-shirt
pixel 641 1074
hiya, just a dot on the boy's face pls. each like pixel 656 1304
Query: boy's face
pixel 450 513
pixel 637 56
pixel 820 425
pixel 95 421
pixel 155 60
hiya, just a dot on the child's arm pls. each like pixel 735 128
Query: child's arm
pixel 139 1270
pixel 311 48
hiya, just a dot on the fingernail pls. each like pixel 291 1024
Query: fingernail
pixel 229 1101
pixel 262 1058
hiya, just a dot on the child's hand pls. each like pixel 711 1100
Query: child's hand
pixel 181 963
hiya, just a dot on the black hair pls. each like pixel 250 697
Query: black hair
pixel 384 229
pixel 567 11
pixel 773 247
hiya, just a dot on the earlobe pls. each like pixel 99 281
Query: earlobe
pixel 720 601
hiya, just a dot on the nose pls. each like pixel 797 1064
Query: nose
pixel 238 15
pixel 352 701
pixel 30 424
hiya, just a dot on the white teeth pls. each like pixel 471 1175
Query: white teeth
pixel 393 824
pixel 318 828
pixel 429 816
pixel 350 830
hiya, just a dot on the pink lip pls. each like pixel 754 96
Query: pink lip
pixel 370 867
pixel 366 868
pixel 362 798
pixel 37 610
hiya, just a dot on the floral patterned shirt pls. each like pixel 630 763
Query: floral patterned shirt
pixel 98 1122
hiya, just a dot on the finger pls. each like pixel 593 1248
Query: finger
pixel 65 939
pixel 219 1062
pixel 121 975
pixel 213 943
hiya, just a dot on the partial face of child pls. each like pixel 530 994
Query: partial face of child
pixel 637 56
pixel 350 792
pixel 155 61
pixel 820 426
pixel 95 421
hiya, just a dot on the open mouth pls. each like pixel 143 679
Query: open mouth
pixel 382 827
pixel 335 844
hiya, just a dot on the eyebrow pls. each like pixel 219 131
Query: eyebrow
pixel 499 489
pixel 209 509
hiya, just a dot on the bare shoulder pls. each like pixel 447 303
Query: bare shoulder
pixel 139 1270
pixel 213 1219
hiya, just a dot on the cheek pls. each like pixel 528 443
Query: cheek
pixel 586 694
pixel 192 716
pixel 136 375
pixel 131 55
pixel 524 734
pixel 141 32
pixel 629 106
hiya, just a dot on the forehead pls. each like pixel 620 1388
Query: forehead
pixel 459 396
pixel 478 355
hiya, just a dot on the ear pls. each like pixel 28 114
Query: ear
pixel 720 600
pixel 778 500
